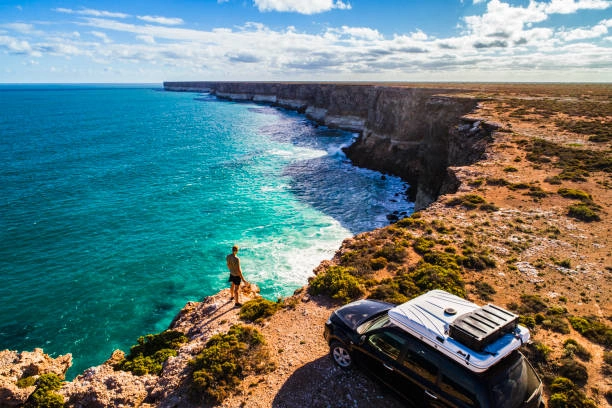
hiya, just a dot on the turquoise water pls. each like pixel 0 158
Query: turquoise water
pixel 118 205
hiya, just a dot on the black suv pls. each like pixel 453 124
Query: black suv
pixel 363 333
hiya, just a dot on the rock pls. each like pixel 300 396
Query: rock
pixel 14 366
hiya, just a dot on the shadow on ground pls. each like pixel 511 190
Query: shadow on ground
pixel 322 384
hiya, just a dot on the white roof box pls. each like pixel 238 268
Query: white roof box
pixel 475 336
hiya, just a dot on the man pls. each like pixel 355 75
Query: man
pixel 233 264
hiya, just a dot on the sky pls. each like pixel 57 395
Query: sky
pixel 150 41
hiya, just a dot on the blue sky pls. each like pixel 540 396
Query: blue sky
pixel 336 40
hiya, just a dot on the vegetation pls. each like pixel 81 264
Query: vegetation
pixel 594 330
pixel 572 193
pixel 584 212
pixel 565 394
pixel 597 131
pixel 44 396
pixel 337 282
pixel 484 290
pixel 226 359
pixel 258 309
pixel 572 348
pixel 151 352
pixel 575 164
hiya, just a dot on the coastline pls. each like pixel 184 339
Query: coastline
pixel 520 218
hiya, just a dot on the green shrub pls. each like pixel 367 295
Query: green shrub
pixel 25 382
pixel 607 357
pixel 584 212
pixel 428 277
pixel 591 328
pixel 538 352
pixel 477 262
pixel 151 352
pixel 527 321
pixel 378 263
pixel 44 395
pixel 572 348
pixel 258 309
pixel 443 259
pixel 423 245
pixel 399 289
pixel 468 201
pixel 557 324
pixel 565 394
pixel 488 207
pixel 510 169
pixel 577 194
pixel 497 182
pixel 226 359
pixel 338 283
pixel 532 304
pixel 574 371
pixel 484 290
pixel 392 252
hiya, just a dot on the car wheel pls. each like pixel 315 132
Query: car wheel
pixel 340 354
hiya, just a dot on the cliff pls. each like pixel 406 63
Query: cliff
pixel 413 133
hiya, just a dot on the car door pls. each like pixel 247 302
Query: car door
pixel 380 353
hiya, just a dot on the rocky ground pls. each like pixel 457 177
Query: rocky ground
pixel 537 248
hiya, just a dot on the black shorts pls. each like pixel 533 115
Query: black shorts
pixel 234 279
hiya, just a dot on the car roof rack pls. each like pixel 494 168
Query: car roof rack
pixel 477 337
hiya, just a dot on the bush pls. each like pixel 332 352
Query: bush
pixel 423 245
pixel 484 290
pixel 468 201
pixel 25 382
pixel 573 348
pixel 258 309
pixel 226 360
pixel 583 212
pixel 557 324
pixel 594 330
pixel 378 263
pixel 44 395
pixel 577 194
pixel 392 252
pixel 399 289
pixel 338 283
pixel 565 394
pixel 574 371
pixel 428 277
pixel 151 352
pixel 532 304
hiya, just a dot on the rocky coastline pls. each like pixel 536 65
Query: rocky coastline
pixel 485 186
pixel 414 133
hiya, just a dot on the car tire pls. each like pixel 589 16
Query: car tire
pixel 341 355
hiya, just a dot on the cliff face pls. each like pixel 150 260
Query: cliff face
pixel 414 133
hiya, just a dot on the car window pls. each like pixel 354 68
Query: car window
pixel 460 389
pixel 417 362
pixel 387 342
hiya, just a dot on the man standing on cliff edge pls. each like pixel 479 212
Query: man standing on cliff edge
pixel 233 264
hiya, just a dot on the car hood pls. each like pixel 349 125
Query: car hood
pixel 356 313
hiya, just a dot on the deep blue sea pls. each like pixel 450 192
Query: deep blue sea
pixel 118 205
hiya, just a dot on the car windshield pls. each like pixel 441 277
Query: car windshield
pixel 375 323
pixel 513 382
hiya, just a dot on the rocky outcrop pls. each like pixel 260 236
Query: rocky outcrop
pixel 15 366
pixel 418 134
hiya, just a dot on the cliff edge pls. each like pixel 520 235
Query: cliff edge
pixel 414 133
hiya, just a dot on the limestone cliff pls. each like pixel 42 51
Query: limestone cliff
pixel 414 133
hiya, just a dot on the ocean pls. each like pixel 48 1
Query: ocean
pixel 119 203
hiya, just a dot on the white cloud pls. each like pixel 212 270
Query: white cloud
pixel 149 39
pixel 596 31
pixel 572 6
pixel 92 12
pixel 102 36
pixel 162 20
pixel 301 6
